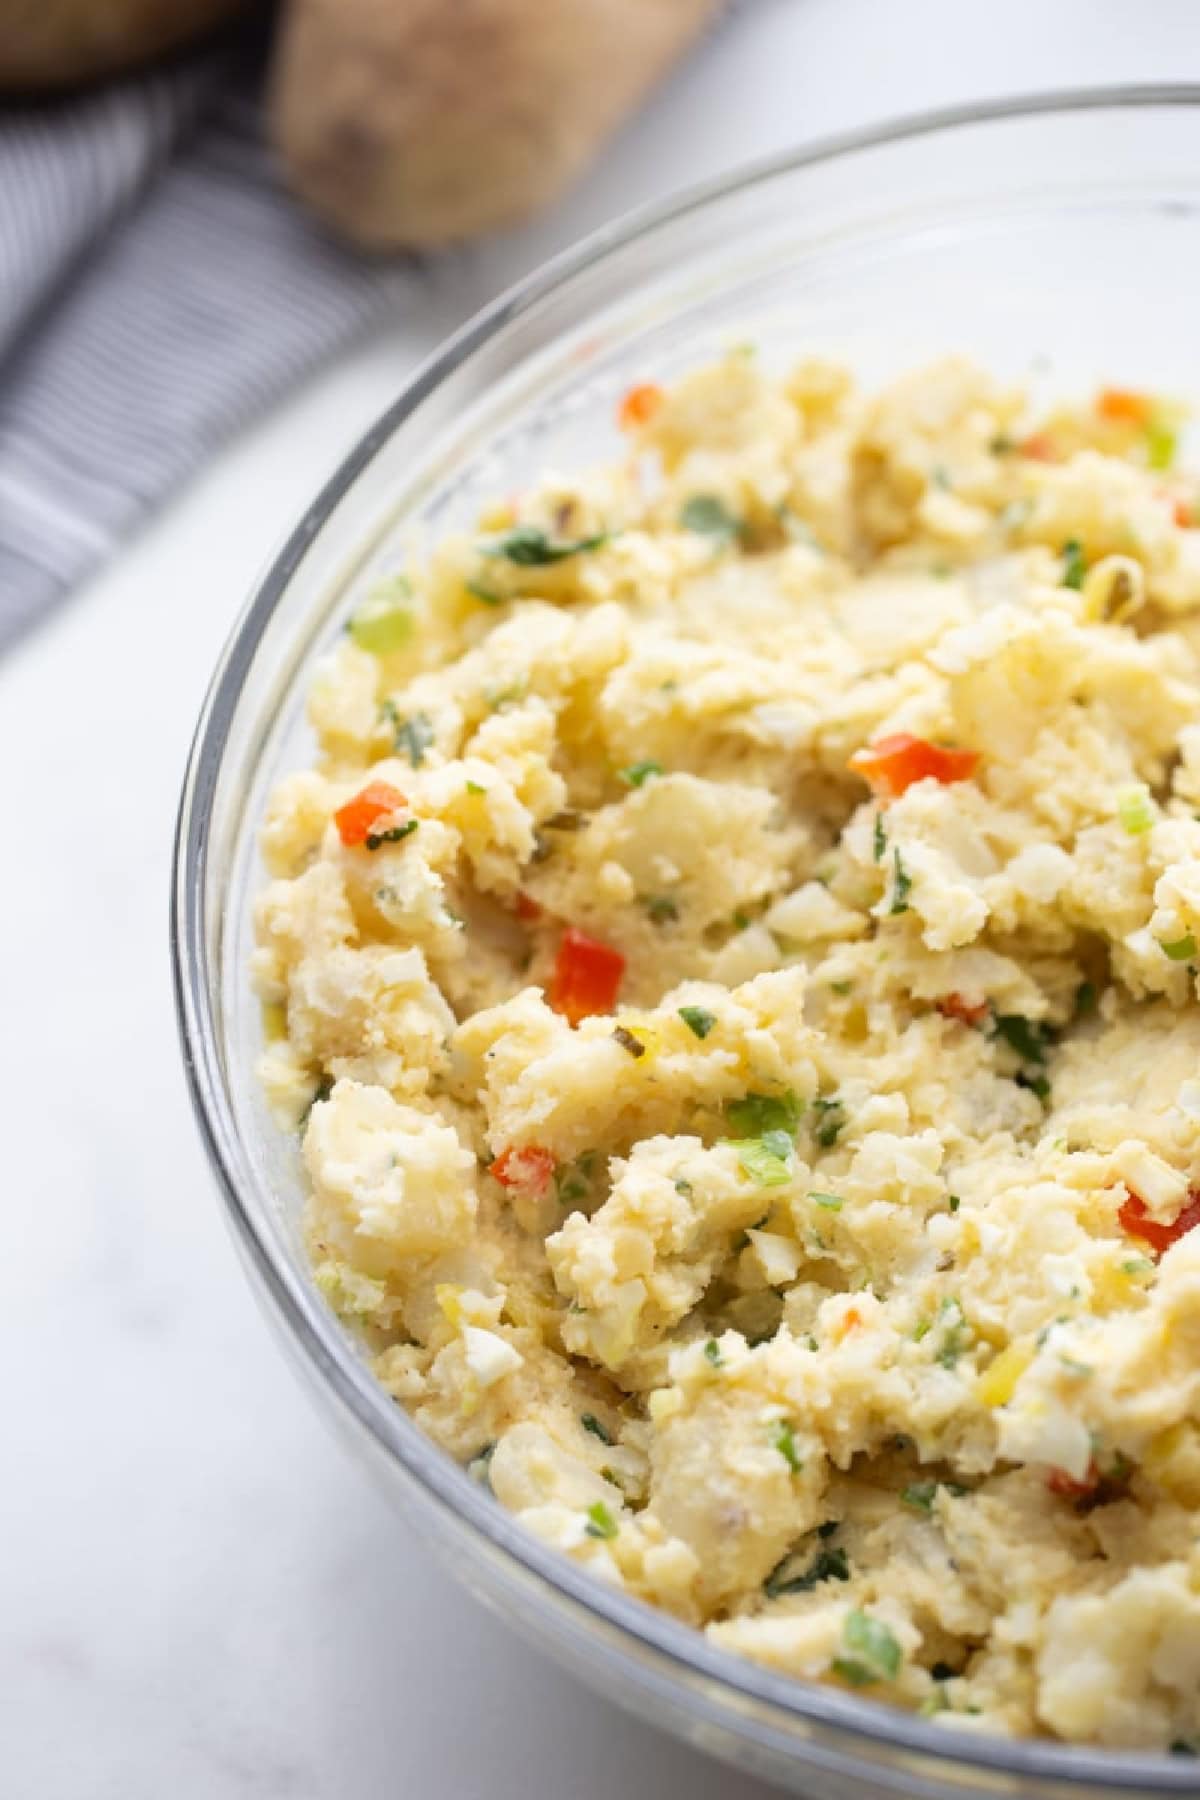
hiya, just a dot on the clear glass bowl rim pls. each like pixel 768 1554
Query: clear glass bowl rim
pixel 310 1325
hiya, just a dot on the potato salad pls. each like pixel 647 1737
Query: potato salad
pixel 733 970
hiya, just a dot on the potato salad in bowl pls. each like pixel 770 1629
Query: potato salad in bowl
pixel 733 970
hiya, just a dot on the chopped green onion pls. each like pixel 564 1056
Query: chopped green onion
pixel 767 1160
pixel 698 1020
pixel 661 909
pixel 831 1202
pixel 954 1202
pixel 1037 1084
pixel 1135 809
pixel 1074 565
pixel 638 773
pixel 1162 441
pixel 712 1353
pixel 1085 999
pixel 878 839
pixel 476 787
pixel 384 622
pixel 754 1114
pixel 831 1117
pixel 601 1523
pixel 920 1495
pixel 877 1654
pixel 901 886
pixel 783 1439
pixel 529 547
pixel 486 594
pixel 1182 950
pixel 828 1565
pixel 591 1423
pixel 710 516
pixel 393 836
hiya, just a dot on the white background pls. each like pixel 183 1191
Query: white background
pixel 200 1596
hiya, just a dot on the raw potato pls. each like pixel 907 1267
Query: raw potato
pixel 418 122
pixel 55 43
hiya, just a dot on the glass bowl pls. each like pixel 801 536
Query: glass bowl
pixel 1055 239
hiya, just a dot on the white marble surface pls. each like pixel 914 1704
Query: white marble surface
pixel 199 1593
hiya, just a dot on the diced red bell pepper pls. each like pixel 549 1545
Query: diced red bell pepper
pixel 355 819
pixel 892 764
pixel 587 976
pixel 1066 1486
pixel 528 909
pixel 639 405
pixel 1137 1221
pixel 1124 406
pixel 957 1006
pixel 528 1170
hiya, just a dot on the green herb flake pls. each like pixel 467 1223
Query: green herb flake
pixel 600 1522
pixel 830 1120
pixel 1181 1747
pixel 486 594
pixel 1135 809
pixel 1162 442
pixel 1074 565
pixel 598 1429
pixel 767 1160
pixel 1025 1036
pixel 920 1495
pixel 828 1565
pixel 712 1353
pixel 741 919
pixel 1086 999
pixel 375 839
pixel 953 1333
pixel 755 1114
pixel 1182 950
pixel 660 909
pixel 901 886
pixel 783 1439
pixel 831 1202
pixel 698 1020
pixel 476 787
pixel 875 1652
pixel 879 839
pixel 529 547
pixel 415 735
pixel 709 516
pixel 639 773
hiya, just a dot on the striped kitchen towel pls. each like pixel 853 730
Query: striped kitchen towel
pixel 157 289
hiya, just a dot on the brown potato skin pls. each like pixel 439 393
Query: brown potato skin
pixel 415 123
pixel 47 44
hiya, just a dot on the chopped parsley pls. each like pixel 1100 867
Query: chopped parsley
pixel 639 773
pixel 1182 950
pixel 628 1042
pixel 600 1522
pixel 879 839
pixel 831 1118
pixel 767 1160
pixel 591 1423
pixel 413 735
pixel 1025 1036
pixel 574 1181
pixel 392 836
pixel 660 909
pixel 755 1114
pixel 1074 565
pixel 828 1565
pixel 875 1651
pixel 711 517
pixel 783 1439
pixel 712 1353
pixel 920 1495
pixel 953 1202
pixel 698 1020
pixel 1085 999
pixel 901 886
pixel 530 548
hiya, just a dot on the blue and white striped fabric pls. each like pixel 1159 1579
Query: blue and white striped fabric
pixel 157 289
